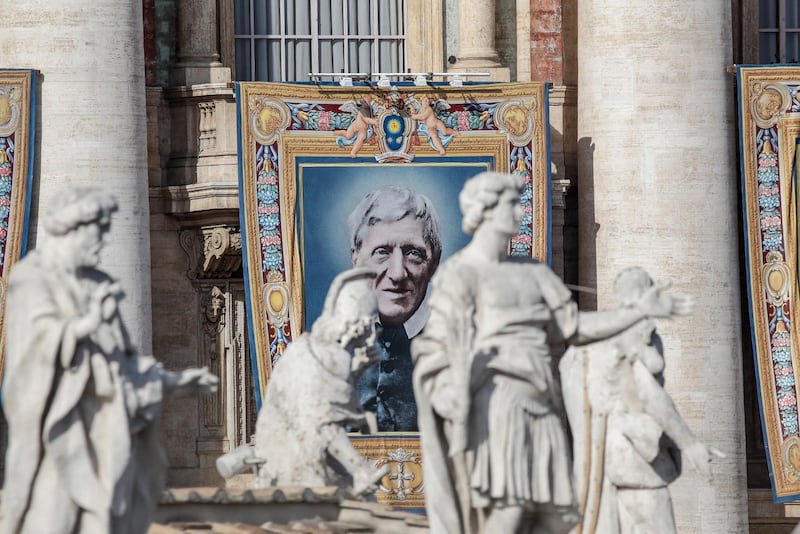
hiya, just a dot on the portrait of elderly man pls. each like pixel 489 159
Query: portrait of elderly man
pixel 395 231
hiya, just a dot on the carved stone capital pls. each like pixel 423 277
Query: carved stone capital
pixel 215 252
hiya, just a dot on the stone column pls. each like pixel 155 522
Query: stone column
pixel 476 44
pixel 198 45
pixel 92 124
pixel 658 188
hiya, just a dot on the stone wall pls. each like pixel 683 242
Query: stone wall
pixel 175 343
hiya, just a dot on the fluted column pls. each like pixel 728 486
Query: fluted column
pixel 658 188
pixel 92 120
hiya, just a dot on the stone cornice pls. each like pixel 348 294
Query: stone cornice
pixel 204 90
pixel 194 198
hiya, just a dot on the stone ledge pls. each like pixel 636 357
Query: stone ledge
pixel 223 89
pixel 188 199
pixel 277 510
pixel 767 517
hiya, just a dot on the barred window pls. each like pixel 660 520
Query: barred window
pixel 778 31
pixel 284 40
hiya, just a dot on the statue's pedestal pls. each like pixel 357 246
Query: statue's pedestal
pixel 279 509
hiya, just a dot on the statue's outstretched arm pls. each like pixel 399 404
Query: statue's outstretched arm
pixel 656 302
pixel 658 404
pixel 199 380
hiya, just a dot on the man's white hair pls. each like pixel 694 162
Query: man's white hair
pixel 393 203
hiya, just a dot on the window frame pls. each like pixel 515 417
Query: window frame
pixel 782 32
pixel 229 37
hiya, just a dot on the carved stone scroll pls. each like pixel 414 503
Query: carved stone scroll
pixel 214 252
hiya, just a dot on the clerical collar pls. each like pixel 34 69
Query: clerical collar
pixel 416 322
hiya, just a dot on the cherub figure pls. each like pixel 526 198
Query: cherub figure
pixel 360 130
pixel 628 435
pixel 434 126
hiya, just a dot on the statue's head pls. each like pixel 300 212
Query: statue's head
pixel 629 286
pixel 488 192
pixel 641 340
pixel 79 219
pixel 350 312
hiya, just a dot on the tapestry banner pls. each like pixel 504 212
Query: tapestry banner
pixel 309 154
pixel 17 122
pixel 769 115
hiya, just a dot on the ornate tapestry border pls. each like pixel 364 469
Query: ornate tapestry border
pixel 17 133
pixel 769 115
pixel 282 124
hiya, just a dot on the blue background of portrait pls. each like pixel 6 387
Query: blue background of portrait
pixel 328 189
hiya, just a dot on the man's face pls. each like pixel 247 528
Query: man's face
pixel 403 260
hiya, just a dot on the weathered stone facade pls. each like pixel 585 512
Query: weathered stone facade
pixel 156 121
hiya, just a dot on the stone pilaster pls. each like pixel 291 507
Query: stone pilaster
pixel 226 418
pixel 424 43
pixel 93 127
pixel 213 440
pixel 657 188
pixel 524 45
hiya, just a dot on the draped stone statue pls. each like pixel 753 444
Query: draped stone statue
pixel 629 438
pixel 495 451
pixel 301 432
pixel 82 406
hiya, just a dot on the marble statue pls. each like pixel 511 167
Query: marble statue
pixel 301 437
pixel 628 436
pixel 82 406
pixel 495 448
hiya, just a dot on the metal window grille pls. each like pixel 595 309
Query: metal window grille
pixel 779 31
pixel 284 40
